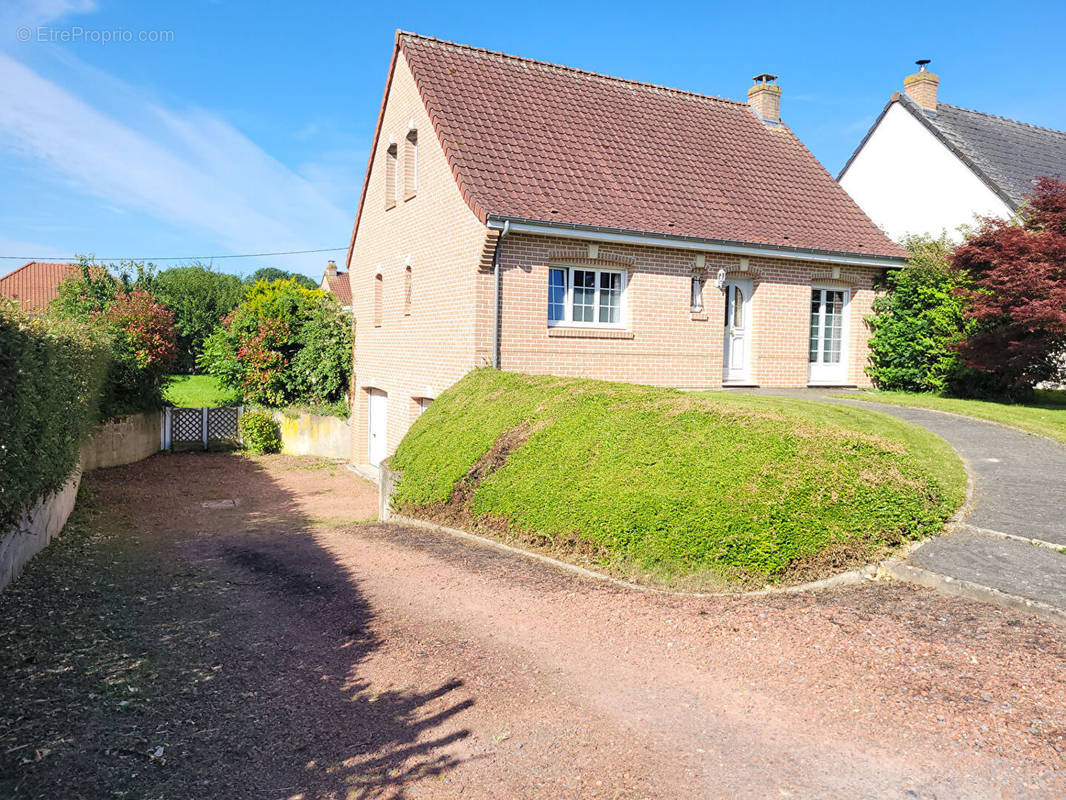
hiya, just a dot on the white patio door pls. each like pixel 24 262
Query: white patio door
pixel 378 425
pixel 736 342
pixel 827 352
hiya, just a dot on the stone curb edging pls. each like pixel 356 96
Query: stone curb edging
pixel 957 414
pixel 850 578
pixel 969 590
pixel 1013 537
pixel 894 569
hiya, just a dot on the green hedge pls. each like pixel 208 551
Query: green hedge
pixel 51 377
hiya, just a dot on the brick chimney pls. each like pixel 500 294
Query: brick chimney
pixel 331 269
pixel 765 98
pixel 921 86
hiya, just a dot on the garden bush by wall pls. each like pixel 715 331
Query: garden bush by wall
pixel 52 374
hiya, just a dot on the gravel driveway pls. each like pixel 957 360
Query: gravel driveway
pixel 272 648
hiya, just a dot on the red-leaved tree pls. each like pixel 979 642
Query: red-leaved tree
pixel 1017 293
pixel 148 328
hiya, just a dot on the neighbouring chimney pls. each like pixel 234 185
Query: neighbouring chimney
pixel 331 269
pixel 765 98
pixel 921 86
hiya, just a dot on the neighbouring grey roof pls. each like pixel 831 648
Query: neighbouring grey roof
pixel 1011 154
pixel 1007 155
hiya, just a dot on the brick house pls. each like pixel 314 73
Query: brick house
pixel 36 284
pixel 543 219
pixel 336 284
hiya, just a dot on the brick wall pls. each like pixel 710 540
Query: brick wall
pixel 422 349
pixel 664 343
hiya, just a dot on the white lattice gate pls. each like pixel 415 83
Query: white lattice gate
pixel 201 428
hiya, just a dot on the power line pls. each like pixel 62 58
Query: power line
pixel 181 258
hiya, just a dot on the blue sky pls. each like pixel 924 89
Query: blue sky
pixel 249 130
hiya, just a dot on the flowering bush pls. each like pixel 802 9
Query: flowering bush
pixel 148 329
pixel 141 331
pixel 284 345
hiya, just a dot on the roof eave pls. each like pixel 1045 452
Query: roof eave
pixel 649 239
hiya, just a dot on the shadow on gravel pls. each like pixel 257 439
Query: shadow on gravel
pixel 232 670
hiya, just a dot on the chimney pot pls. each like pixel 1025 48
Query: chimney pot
pixel 765 98
pixel 922 85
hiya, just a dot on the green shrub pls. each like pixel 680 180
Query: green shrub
pixel 260 433
pixel 283 345
pixel 199 298
pixel 919 322
pixel 671 484
pixel 52 375
pixel 141 332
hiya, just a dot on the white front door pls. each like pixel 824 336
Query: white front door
pixel 827 352
pixel 378 425
pixel 737 337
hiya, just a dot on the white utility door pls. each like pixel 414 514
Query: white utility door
pixel 378 425
pixel 828 352
pixel 737 339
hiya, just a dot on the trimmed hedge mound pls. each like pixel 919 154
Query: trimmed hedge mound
pixel 51 379
pixel 673 487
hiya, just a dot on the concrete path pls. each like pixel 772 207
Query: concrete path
pixel 1010 538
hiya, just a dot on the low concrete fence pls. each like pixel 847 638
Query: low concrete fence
pixel 31 534
pixel 123 441
pixel 387 481
pixel 314 435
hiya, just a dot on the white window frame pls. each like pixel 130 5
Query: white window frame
pixel 568 300
pixel 815 367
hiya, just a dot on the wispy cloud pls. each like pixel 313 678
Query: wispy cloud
pixel 189 168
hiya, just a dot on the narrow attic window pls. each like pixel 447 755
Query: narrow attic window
pixel 391 167
pixel 696 305
pixel 410 165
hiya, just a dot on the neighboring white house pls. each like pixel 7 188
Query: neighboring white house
pixel 926 167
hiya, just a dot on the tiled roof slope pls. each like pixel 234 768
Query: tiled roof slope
pixel 1011 154
pixel 34 284
pixel 341 288
pixel 532 140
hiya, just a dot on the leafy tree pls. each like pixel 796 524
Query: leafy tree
pixel 919 322
pixel 139 329
pixel 199 298
pixel 283 345
pixel 1018 294
pixel 271 274
pixel 146 346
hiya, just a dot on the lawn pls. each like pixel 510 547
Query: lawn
pixel 692 490
pixel 1045 415
pixel 198 391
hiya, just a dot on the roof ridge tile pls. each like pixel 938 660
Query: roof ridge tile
pixel 565 68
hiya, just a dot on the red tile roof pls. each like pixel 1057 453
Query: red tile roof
pixel 34 284
pixel 341 288
pixel 532 140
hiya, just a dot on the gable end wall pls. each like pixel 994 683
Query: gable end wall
pixel 424 351
pixel 908 182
